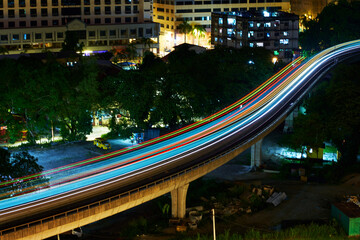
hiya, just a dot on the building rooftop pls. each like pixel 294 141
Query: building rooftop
pixel 259 14
pixel 350 209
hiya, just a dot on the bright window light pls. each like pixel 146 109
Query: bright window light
pixel 284 41
pixel 231 21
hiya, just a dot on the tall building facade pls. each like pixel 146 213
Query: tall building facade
pixel 37 25
pixel 171 13
pixel 277 31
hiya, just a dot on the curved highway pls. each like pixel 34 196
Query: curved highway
pixel 233 126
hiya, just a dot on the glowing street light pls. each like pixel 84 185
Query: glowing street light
pixel 274 60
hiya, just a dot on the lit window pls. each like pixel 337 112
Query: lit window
pixel 260 44
pixel 26 36
pixel 240 33
pixel 230 31
pixel 258 25
pixel 251 24
pixel 284 41
pixel 285 33
pixel 268 24
pixel 251 44
pixel 215 39
pixel 268 35
pixel 221 21
pixel 266 14
pixel 231 21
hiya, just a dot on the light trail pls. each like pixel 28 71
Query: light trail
pixel 208 137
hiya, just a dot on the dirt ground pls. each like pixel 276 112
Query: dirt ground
pixel 305 201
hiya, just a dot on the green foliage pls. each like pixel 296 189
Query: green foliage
pixel 164 208
pixel 190 86
pixel 135 227
pixel 24 164
pixel 256 202
pixel 47 94
pixel 301 232
pixel 3 50
pixel 332 114
pixel 185 28
pixel 17 165
pixel 236 190
pixel 71 42
pixel 285 170
pixel 338 22
pixel 5 165
pixel 202 188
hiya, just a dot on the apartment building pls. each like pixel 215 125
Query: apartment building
pixel 36 25
pixel 171 13
pixel 277 31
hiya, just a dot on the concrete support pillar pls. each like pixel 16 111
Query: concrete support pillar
pixel 178 201
pixel 256 154
pixel 289 120
pixel 289 123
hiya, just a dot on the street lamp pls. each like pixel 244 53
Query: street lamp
pixel 274 60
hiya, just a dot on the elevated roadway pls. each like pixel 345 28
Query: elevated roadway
pixel 58 200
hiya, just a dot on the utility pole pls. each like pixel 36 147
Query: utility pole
pixel 213 218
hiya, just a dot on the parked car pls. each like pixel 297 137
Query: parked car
pixel 102 143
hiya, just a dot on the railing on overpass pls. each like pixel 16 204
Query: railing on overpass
pixel 125 197
pixel 122 198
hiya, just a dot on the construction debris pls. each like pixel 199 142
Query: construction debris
pixel 276 198
pixel 354 199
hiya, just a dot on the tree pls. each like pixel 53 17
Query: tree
pixel 332 114
pixel 198 31
pixel 338 22
pixel 146 43
pixel 130 51
pixel 78 98
pixel 71 42
pixel 188 87
pixel 185 28
pixel 3 50
pixel 44 94
pixel 5 165
pixel 135 93
pixel 24 164
pixel 15 166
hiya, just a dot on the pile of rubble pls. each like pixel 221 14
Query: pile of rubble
pixel 354 199
pixel 251 199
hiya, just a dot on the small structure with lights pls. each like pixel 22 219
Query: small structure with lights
pixel 348 215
